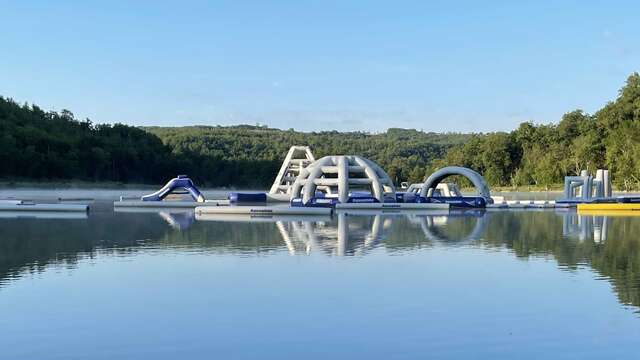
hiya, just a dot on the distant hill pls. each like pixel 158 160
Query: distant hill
pixel 405 154
pixel 38 145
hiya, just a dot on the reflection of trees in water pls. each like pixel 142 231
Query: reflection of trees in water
pixel 616 253
pixel 609 245
pixel 30 244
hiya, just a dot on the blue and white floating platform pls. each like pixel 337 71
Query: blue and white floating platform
pixel 393 206
pixel 528 204
pixel 264 210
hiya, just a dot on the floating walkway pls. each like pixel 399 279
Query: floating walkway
pixel 528 204
pixel 261 217
pixel 167 204
pixel 393 206
pixel 57 215
pixel 393 212
pixel 264 210
pixel 21 205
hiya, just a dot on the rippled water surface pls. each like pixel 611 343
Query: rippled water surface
pixel 459 285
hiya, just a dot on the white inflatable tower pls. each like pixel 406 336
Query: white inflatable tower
pixel 297 159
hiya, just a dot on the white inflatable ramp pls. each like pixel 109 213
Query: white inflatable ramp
pixel 264 210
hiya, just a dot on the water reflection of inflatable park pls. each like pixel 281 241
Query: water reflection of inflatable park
pixel 606 244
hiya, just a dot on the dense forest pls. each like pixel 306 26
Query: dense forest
pixel 35 144
pixel 39 145
pixel 543 154
pixel 402 153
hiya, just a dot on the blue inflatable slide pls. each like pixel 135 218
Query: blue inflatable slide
pixel 182 184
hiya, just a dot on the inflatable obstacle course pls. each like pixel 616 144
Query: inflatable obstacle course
pixel 352 182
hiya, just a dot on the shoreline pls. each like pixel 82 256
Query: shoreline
pixel 110 185
pixel 83 185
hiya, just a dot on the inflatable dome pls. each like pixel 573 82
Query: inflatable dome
pixel 344 178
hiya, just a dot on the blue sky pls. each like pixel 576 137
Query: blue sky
pixel 319 65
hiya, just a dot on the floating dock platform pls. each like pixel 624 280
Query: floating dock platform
pixel 393 212
pixel 528 204
pixel 168 204
pixel 261 217
pixel 57 215
pixel 21 205
pixel 393 206
pixel 264 210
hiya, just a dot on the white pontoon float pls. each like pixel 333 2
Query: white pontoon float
pixel 167 204
pixel 21 205
pixel 393 206
pixel 261 218
pixel 264 210
pixel 43 215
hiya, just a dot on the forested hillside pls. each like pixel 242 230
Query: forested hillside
pixel 405 154
pixel 39 145
pixel 36 145
pixel 544 154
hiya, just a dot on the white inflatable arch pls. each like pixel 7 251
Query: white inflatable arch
pixel 476 179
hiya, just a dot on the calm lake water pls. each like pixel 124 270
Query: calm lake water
pixel 167 285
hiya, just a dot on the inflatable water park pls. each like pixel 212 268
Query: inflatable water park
pixel 335 183
pixel 305 185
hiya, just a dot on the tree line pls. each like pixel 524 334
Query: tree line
pixel 543 154
pixel 40 145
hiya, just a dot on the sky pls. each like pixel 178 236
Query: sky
pixel 443 66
